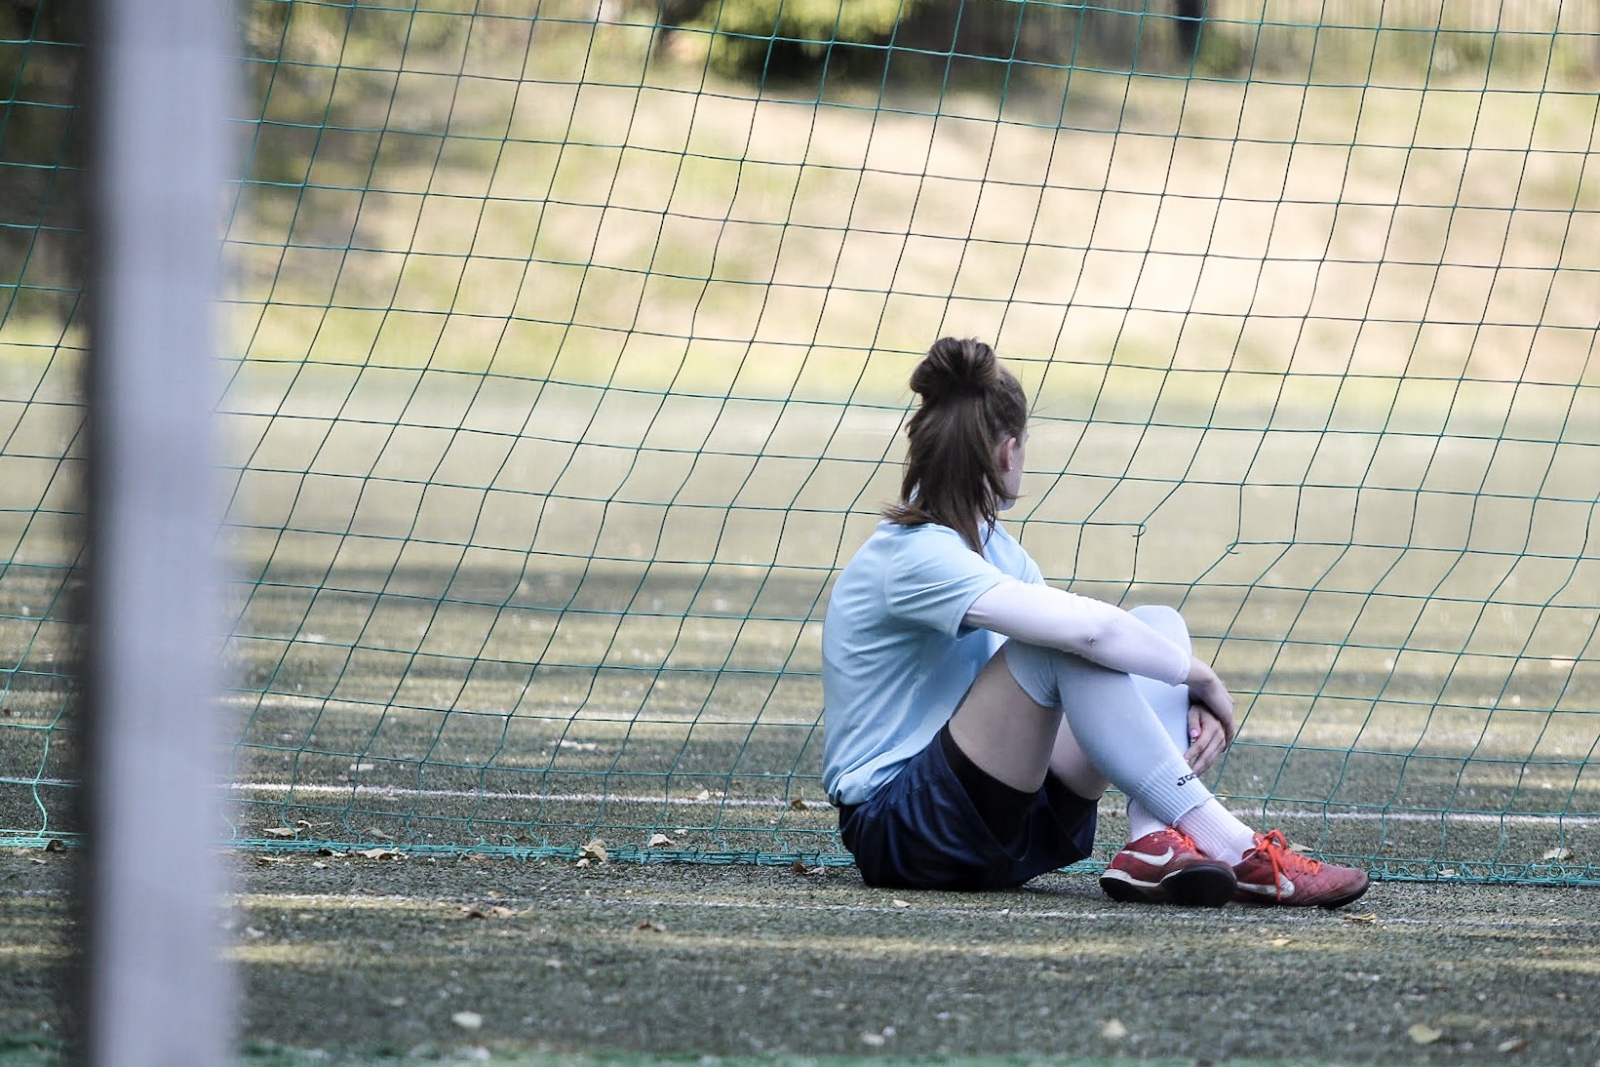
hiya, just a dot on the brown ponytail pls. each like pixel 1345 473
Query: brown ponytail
pixel 970 404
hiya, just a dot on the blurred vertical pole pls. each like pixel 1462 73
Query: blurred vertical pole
pixel 156 992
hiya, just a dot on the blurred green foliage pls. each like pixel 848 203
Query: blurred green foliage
pixel 765 37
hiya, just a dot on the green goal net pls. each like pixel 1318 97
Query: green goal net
pixel 565 361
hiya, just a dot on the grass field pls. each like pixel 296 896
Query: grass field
pixel 349 959
pixel 561 379
pixel 581 207
pixel 408 671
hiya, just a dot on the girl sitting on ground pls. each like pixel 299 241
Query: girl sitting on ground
pixel 974 715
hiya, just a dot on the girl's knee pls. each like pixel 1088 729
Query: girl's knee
pixel 1034 668
pixel 1166 621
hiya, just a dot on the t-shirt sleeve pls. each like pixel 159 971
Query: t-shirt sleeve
pixel 1031 572
pixel 933 578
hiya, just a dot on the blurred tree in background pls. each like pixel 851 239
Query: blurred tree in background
pixel 40 254
pixel 347 89
pixel 764 38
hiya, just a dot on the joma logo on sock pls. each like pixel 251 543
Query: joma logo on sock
pixel 1186 779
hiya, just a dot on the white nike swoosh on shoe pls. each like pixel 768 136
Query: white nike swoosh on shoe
pixel 1156 859
pixel 1283 891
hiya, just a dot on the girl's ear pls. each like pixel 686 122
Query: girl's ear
pixel 1008 454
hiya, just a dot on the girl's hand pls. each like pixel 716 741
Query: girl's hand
pixel 1207 742
pixel 1207 690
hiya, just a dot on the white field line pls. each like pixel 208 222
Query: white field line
pixel 715 801
pixel 774 803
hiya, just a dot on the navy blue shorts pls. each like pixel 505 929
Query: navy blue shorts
pixel 921 831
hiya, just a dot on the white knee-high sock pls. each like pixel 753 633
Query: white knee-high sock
pixel 1171 705
pixel 1172 709
pixel 1210 825
pixel 1217 832
pixel 1141 821
pixel 1124 737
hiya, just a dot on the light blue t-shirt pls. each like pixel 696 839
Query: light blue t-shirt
pixel 896 659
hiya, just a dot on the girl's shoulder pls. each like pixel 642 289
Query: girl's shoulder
pixel 1007 553
pixel 919 547
pixel 898 549
pixel 928 538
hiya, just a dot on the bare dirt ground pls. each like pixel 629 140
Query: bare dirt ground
pixel 355 956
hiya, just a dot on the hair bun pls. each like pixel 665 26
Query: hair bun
pixel 955 367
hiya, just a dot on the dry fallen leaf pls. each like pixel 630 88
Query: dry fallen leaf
pixel 1363 917
pixel 1423 1034
pixel 799 805
pixel 380 853
pixel 873 1040
pixel 467 1020
pixel 1279 942
pixel 1559 855
pixel 1513 1044
pixel 704 794
pixel 649 925
pixel 1114 1030
pixel 281 832
pixel 659 840
pixel 595 849
pixel 897 902
pixel 492 911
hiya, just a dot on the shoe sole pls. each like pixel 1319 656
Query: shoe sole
pixel 1124 890
pixel 1199 886
pixel 1334 902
